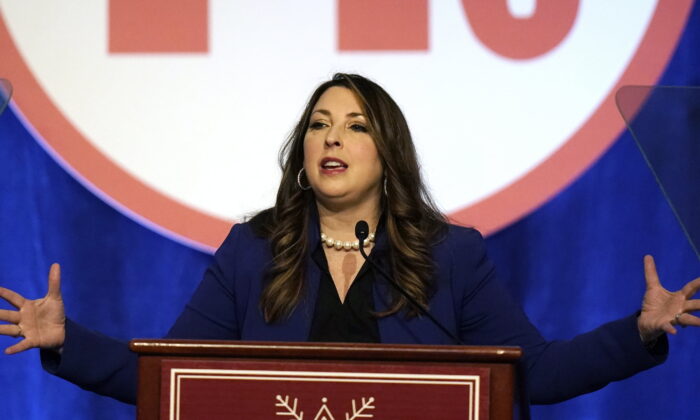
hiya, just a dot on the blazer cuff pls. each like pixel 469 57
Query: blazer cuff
pixel 648 354
pixel 68 360
pixel 95 362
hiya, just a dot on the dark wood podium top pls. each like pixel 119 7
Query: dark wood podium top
pixel 330 351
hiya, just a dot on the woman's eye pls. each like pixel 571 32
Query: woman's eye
pixel 317 125
pixel 359 128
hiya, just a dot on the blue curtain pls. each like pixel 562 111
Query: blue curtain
pixel 574 263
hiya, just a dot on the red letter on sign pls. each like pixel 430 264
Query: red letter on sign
pixel 371 25
pixel 521 38
pixel 158 26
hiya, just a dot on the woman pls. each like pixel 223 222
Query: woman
pixel 293 273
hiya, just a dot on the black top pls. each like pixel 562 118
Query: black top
pixel 348 321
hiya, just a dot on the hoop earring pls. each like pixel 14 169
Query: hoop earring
pixel 385 193
pixel 308 187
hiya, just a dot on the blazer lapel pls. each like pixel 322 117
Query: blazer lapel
pixel 398 328
pixel 298 325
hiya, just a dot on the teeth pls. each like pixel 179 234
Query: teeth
pixel 332 165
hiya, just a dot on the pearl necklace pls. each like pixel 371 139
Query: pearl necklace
pixel 347 245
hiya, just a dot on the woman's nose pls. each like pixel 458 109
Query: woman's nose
pixel 333 139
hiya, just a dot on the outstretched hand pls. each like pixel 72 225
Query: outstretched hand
pixel 662 310
pixel 40 322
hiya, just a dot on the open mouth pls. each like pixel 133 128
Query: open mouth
pixel 331 165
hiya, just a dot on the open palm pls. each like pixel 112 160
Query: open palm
pixel 40 322
pixel 662 310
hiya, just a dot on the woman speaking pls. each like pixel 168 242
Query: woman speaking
pixel 294 272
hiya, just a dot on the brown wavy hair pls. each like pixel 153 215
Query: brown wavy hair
pixel 413 222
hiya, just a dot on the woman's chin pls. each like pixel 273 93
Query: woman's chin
pixel 334 195
pixel 341 198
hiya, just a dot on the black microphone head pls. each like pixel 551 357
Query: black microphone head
pixel 361 230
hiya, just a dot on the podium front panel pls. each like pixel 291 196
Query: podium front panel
pixel 269 389
pixel 191 379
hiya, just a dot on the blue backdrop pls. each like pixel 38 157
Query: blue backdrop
pixel 574 263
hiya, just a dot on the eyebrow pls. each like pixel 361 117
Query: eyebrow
pixel 328 113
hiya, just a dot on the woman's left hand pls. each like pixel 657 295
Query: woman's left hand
pixel 663 310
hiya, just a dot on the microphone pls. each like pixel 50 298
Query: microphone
pixel 362 232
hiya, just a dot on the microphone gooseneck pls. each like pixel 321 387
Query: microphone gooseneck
pixel 361 232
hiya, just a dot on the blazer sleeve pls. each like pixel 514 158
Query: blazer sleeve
pixel 105 365
pixel 554 370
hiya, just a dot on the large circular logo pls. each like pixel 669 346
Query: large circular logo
pixel 174 111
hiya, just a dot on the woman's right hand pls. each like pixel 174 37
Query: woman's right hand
pixel 41 322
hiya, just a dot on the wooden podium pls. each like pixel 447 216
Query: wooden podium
pixel 185 379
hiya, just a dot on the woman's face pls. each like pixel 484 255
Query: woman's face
pixel 340 157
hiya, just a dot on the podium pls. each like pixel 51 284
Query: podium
pixel 188 379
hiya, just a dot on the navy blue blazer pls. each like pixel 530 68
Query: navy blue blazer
pixel 468 300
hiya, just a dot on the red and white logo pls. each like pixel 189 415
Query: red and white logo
pixel 173 111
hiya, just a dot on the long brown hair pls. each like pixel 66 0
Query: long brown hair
pixel 413 222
